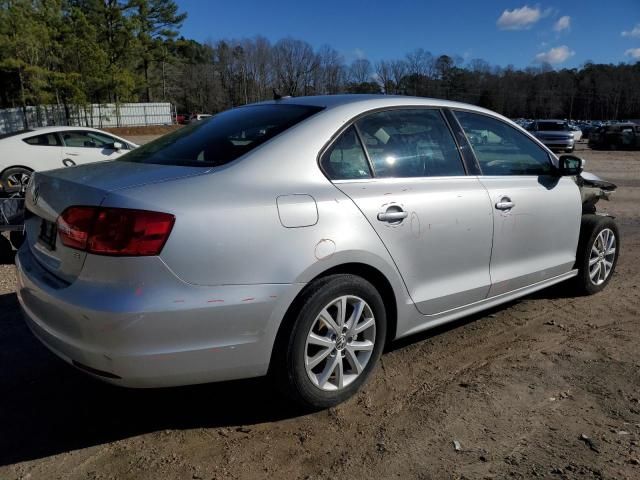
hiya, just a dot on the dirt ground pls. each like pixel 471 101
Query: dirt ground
pixel 546 387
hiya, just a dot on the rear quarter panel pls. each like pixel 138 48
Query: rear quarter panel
pixel 228 230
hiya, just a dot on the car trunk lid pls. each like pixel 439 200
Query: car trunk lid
pixel 52 192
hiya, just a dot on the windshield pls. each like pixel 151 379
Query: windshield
pixel 222 138
pixel 553 126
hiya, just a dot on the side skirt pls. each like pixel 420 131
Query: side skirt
pixel 456 313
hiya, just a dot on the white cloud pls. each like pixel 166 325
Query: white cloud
pixel 519 18
pixel 555 55
pixel 359 53
pixel 633 53
pixel 633 33
pixel 563 23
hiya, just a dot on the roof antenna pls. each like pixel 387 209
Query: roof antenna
pixel 277 96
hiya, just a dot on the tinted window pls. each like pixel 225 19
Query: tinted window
pixel 345 159
pixel 501 149
pixel 86 139
pixel 222 138
pixel 410 143
pixel 48 140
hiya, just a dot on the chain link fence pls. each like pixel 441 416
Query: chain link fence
pixel 93 115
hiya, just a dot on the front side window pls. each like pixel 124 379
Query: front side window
pixel 86 139
pixel 501 149
pixel 222 138
pixel 410 143
pixel 46 140
pixel 345 159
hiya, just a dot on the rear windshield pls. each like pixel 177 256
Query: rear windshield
pixel 553 126
pixel 222 138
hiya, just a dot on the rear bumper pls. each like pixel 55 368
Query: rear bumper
pixel 165 334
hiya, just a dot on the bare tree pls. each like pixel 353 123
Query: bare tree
pixel 420 67
pixel 360 71
pixel 331 71
pixel 384 72
pixel 294 63
pixel 398 71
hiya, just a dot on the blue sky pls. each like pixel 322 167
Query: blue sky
pixel 566 33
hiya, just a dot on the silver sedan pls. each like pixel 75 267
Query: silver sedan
pixel 296 238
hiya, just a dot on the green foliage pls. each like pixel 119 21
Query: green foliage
pixel 77 52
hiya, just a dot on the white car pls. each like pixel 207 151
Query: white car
pixel 577 133
pixel 28 151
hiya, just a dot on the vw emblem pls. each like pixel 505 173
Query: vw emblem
pixel 35 194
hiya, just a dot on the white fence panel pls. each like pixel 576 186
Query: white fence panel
pixel 94 115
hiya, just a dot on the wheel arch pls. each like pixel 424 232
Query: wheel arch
pixel 363 270
pixel 2 172
pixel 16 166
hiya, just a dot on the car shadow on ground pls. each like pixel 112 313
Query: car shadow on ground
pixel 561 290
pixel 47 407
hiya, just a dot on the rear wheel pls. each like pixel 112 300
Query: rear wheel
pixel 15 179
pixel 597 253
pixel 333 344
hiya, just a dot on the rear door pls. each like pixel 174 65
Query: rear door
pixel 45 151
pixel 536 214
pixel 86 146
pixel 410 183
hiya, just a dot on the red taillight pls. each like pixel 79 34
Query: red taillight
pixel 115 231
pixel 74 226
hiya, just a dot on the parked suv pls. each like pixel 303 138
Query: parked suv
pixel 295 238
pixel 616 136
pixel 555 134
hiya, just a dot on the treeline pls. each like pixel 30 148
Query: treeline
pixel 70 52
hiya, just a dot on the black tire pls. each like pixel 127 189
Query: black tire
pixel 569 150
pixel 288 363
pixel 590 228
pixel 17 239
pixel 14 179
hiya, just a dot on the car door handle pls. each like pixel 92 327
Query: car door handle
pixel 71 154
pixel 392 216
pixel 505 203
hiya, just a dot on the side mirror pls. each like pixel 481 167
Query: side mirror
pixel 117 146
pixel 570 165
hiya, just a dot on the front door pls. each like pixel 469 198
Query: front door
pixel 536 213
pixel 86 146
pixel 434 220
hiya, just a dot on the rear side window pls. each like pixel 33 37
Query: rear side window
pixel 47 140
pixel 345 159
pixel 410 143
pixel 223 138
pixel 501 149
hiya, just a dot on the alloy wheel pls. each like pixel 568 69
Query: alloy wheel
pixel 602 256
pixel 16 182
pixel 340 343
